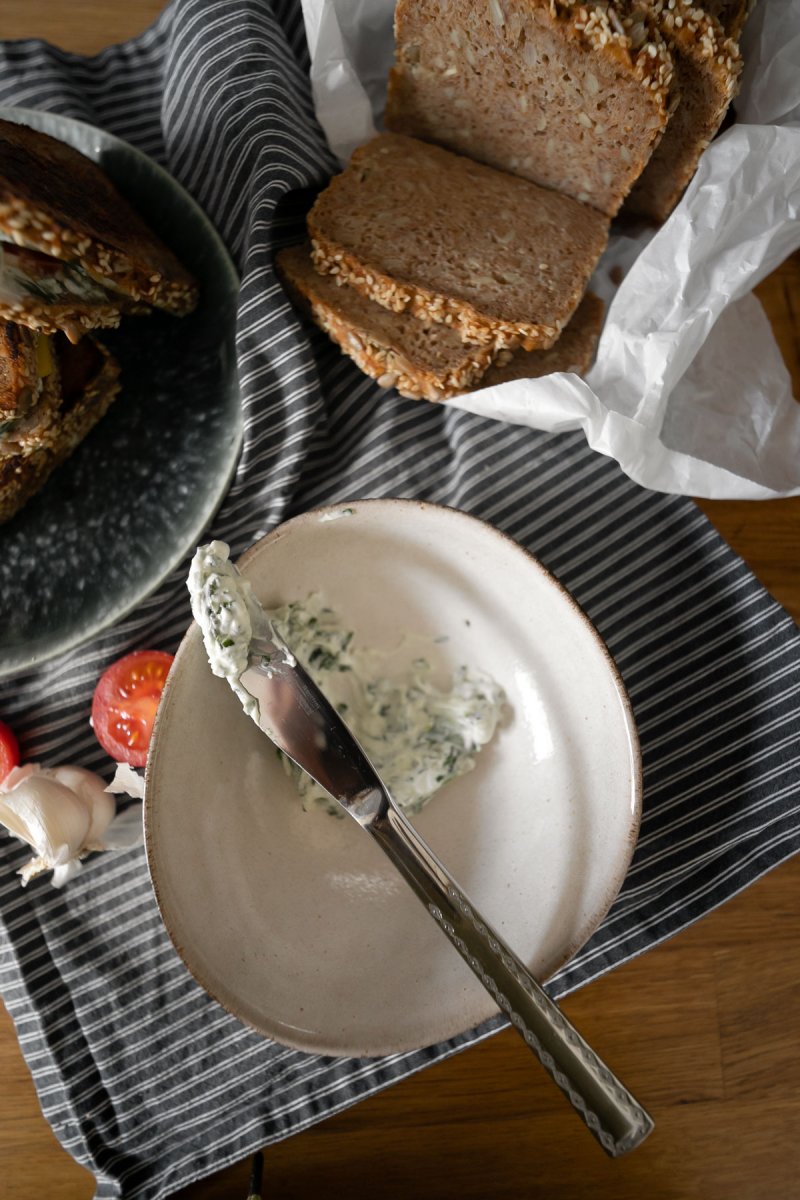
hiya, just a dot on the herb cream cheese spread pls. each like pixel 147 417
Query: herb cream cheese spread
pixel 417 736
pixel 224 607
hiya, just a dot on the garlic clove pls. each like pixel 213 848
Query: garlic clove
pixel 63 813
pixel 91 791
pixel 50 818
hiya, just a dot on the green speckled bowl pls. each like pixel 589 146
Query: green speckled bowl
pixel 134 498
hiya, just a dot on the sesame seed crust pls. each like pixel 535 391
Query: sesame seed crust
pixel 624 30
pixel 695 33
pixel 73 320
pixel 573 352
pixel 34 230
pixel 398 352
pixel 421 302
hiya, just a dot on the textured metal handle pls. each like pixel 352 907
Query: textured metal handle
pixel 612 1114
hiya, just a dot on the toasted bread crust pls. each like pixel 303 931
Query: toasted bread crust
pixel 56 200
pixel 74 320
pixel 53 302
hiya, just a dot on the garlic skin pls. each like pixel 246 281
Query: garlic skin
pixel 127 780
pixel 63 813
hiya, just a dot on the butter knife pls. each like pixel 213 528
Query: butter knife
pixel 299 720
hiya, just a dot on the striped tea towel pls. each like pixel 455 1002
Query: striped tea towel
pixel 144 1079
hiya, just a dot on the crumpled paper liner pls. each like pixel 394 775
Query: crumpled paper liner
pixel 689 392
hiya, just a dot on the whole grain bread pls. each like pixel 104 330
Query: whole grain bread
pixel 427 361
pixel 572 96
pixel 418 228
pixel 422 361
pixel 707 69
pixel 89 383
pixel 56 200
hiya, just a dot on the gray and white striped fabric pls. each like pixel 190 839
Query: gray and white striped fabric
pixel 144 1079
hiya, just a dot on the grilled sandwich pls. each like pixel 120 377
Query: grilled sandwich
pixel 76 255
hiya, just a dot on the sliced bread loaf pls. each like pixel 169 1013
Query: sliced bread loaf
pixel 418 228
pixel 572 96
pixel 707 68
pixel 420 361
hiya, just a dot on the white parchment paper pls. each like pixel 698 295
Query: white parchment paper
pixel 689 392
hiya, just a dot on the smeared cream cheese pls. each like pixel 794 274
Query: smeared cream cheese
pixel 417 736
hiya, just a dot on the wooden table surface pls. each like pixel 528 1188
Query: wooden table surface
pixel 704 1029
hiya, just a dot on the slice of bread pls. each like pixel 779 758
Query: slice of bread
pixel 89 380
pixel 422 361
pixel 427 362
pixel 418 228
pixel 572 96
pixel 574 351
pixel 707 69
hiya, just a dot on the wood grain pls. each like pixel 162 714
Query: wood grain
pixel 705 1028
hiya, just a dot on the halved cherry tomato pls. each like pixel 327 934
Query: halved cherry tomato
pixel 9 751
pixel 125 703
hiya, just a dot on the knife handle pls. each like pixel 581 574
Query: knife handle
pixel 612 1114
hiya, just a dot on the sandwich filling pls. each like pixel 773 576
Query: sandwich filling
pixel 61 374
pixel 30 280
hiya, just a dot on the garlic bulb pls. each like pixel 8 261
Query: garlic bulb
pixel 63 813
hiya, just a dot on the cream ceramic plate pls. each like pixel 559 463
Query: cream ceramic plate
pixel 293 920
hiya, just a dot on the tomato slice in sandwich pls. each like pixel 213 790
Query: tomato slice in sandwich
pixel 125 703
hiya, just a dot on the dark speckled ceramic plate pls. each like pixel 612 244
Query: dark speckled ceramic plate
pixel 134 498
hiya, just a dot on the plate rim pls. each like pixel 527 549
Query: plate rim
pixel 193 636
pixel 40 119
